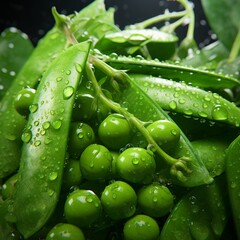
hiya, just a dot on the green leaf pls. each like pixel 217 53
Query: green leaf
pixel 15 48
pixel 224 19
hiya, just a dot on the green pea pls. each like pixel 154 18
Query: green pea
pixel 155 200
pixel 141 227
pixel 136 165
pixel 114 131
pixel 9 186
pixel 81 135
pixel 23 100
pixel 165 133
pixel 96 162
pixel 119 200
pixel 63 231
pixel 82 207
pixel 72 175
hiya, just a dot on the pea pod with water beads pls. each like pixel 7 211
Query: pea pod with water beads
pixel 201 214
pixel 232 173
pixel 151 43
pixel 188 100
pixel 15 48
pixel 186 168
pixel 174 71
pixel 45 138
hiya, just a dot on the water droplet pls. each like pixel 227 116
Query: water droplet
pixel 26 136
pixel 47 140
pixel 68 92
pixel 58 79
pixel 114 195
pixel 135 161
pixel 219 113
pixel 37 143
pixel 68 72
pixel 89 199
pixel 202 114
pixel 155 199
pixel 172 105
pixel 33 108
pixel 78 67
pixel 182 101
pixel 80 135
pixel 46 125
pixel 57 124
pixel 53 176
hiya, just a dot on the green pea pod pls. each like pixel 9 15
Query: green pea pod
pixel 15 48
pixel 143 107
pixel 159 44
pixel 232 172
pixel 45 138
pixel 212 151
pixel 200 214
pixel 196 77
pixel 11 123
pixel 188 100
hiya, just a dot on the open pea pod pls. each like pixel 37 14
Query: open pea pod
pixel 232 172
pixel 143 107
pixel 45 137
pixel 15 48
pixel 173 71
pixel 159 44
pixel 188 100
pixel 200 214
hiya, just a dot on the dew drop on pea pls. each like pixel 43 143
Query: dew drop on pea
pixel 80 135
pixel 68 92
pixel 37 143
pixel 53 176
pixel 219 113
pixel 172 105
pixel 58 79
pixel 135 161
pixel 33 108
pixel 78 67
pixel 68 72
pixel 46 125
pixel 89 199
pixel 26 136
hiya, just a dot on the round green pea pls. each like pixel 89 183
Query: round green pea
pixel 63 231
pixel 96 162
pixel 82 208
pixel 23 100
pixel 136 165
pixel 119 200
pixel 114 131
pixel 141 227
pixel 155 200
pixel 165 133
pixel 81 135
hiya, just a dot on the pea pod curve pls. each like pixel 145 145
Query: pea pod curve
pixel 45 137
pixel 189 100
pixel 194 76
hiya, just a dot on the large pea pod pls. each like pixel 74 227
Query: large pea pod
pixel 201 214
pixel 45 137
pixel 233 179
pixel 12 123
pixel 188 100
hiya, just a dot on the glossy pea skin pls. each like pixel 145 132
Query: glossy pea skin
pixel 114 131
pixel 155 200
pixel 63 231
pixel 81 135
pixel 136 165
pixel 141 227
pixel 96 162
pixel 72 175
pixel 23 100
pixel 165 133
pixel 119 200
pixel 82 208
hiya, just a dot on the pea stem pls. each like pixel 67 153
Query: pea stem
pixel 235 48
pixel 111 72
pixel 157 19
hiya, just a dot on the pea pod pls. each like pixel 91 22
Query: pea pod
pixel 188 100
pixel 15 48
pixel 159 44
pixel 11 122
pixel 196 77
pixel 232 172
pixel 45 137
pixel 200 214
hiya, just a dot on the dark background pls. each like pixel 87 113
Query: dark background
pixel 35 18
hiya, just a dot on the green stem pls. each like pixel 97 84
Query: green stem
pixel 235 48
pixel 117 107
pixel 157 19
pixel 170 28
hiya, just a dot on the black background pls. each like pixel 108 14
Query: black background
pixel 35 17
